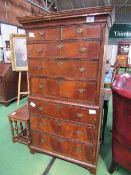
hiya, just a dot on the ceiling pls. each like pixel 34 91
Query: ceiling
pixel 122 7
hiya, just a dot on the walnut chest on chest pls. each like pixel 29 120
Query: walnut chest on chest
pixel 66 60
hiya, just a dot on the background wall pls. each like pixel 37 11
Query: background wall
pixel 10 9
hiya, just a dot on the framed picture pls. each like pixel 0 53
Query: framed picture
pixel 18 52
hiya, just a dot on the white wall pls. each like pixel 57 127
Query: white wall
pixel 112 53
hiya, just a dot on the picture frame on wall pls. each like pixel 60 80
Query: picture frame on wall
pixel 18 52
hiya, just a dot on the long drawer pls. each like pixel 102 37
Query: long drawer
pixel 81 49
pixel 63 68
pixel 63 111
pixel 62 146
pixel 64 89
pixel 63 129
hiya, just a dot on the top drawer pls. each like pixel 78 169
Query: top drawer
pixel 43 34
pixel 80 32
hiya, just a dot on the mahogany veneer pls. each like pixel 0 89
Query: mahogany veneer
pixel 66 55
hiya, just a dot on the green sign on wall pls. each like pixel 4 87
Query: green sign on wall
pixel 120 31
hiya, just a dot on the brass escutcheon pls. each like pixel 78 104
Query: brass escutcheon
pixel 42 33
pixel 40 108
pixel 39 67
pixel 41 86
pixel 83 49
pixel 60 63
pixel 79 30
pixel 81 91
pixel 82 69
pixel 59 82
pixel 39 50
pixel 59 46
pixel 42 140
pixel 78 150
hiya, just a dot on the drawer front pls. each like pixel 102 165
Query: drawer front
pixel 80 32
pixel 61 111
pixel 43 34
pixel 57 88
pixel 85 49
pixel 42 50
pixel 63 68
pixel 62 146
pixel 63 129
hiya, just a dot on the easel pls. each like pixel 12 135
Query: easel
pixel 19 87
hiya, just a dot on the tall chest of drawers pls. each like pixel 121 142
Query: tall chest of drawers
pixel 65 58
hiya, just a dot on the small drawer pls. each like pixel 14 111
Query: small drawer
pixel 80 69
pixel 42 50
pixel 43 34
pixel 82 49
pixel 85 115
pixel 63 129
pixel 62 146
pixel 70 90
pixel 81 32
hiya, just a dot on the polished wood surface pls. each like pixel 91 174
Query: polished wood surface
pixel 82 69
pixel 62 146
pixel 19 125
pixel 8 84
pixel 63 129
pixel 66 74
pixel 64 89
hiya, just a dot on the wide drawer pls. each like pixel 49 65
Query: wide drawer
pixel 81 32
pixel 62 111
pixel 63 129
pixel 81 49
pixel 66 89
pixel 62 146
pixel 44 34
pixel 62 68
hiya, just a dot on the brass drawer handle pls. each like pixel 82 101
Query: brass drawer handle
pixel 81 91
pixel 42 33
pixel 59 46
pixel 41 86
pixel 78 150
pixel 39 50
pixel 60 63
pixel 39 67
pixel 42 140
pixel 78 132
pixel 83 49
pixel 59 123
pixel 82 69
pixel 59 82
pixel 40 108
pixel 60 140
pixel 41 124
pixel 79 115
pixel 79 30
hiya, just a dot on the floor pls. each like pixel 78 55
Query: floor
pixel 16 159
